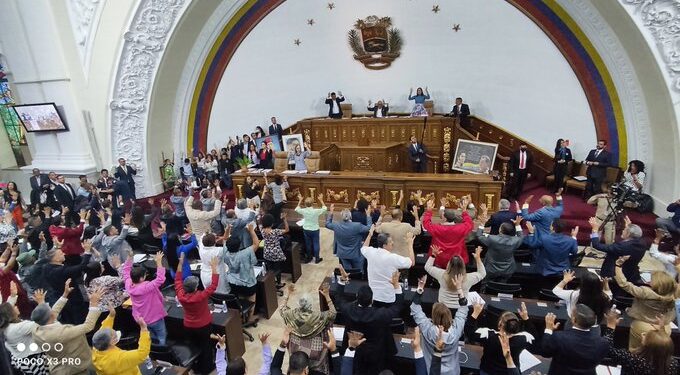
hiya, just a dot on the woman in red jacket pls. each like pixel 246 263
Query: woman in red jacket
pixel 70 236
pixel 197 317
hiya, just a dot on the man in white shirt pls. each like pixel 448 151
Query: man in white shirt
pixel 333 101
pixel 382 264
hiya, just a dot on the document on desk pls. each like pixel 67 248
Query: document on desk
pixel 473 298
pixel 338 333
pixel 139 258
pixel 257 270
pixel 194 266
pixel 527 360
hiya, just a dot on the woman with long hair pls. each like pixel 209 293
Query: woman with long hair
pixel 657 300
pixel 562 158
pixel 253 155
pixel 518 329
pixel 653 357
pixel 593 292
pixel 420 98
pixel 113 286
pixel 16 203
pixel 448 294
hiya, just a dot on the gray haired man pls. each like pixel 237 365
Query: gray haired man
pixel 631 244
pixel 349 237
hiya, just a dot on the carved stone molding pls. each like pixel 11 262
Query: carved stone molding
pixel 143 47
pixel 662 20
pixel 623 74
pixel 84 16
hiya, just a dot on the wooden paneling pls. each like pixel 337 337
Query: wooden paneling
pixel 343 188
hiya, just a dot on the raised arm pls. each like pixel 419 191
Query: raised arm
pixel 367 241
pixel 253 236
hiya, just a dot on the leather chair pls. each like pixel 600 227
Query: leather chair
pixel 176 353
pixel 580 169
pixel 243 306
pixel 313 162
pixel 547 295
pixel 613 174
pixel 280 161
pixel 346 110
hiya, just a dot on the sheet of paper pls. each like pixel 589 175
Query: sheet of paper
pixel 646 276
pixel 195 266
pixel 300 222
pixel 473 298
pixel 527 360
pixel 495 299
pixel 421 255
pixel 505 295
pixel 526 264
pixel 257 270
pixel 541 304
pixel 607 370
pixel 338 333
pixel 405 340
pixel 138 258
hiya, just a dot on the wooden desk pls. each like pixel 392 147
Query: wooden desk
pixel 266 301
pixel 342 188
pixel 376 157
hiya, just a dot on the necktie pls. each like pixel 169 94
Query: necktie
pixel 597 153
pixel 521 160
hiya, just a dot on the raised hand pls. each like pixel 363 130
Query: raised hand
pixel 356 338
pixel 331 208
pixel 550 322
pixel 330 344
pixel 415 340
pixel 39 296
pixel 326 290
pixel 13 290
pixel 439 344
pixel 286 337
pixel 477 309
pixel 96 296
pixel 594 224
pixel 112 310
pixel 559 192
pixel 127 219
pixel 529 199
pixel 67 288
pixel 613 318
pixel 422 281
pixel 343 274
pixel 159 259
pixel 458 281
pixel 83 215
pixel 621 260
pixel 530 227
pixel 478 253
pixel 568 276
pixel 605 284
pixel 410 237
pixel 221 339
pixel 523 312
pixel 142 324
pixel 627 221
pixel 518 220
pixel 430 204
pixel 574 232
pixel 263 337
pixel 320 197
pixel 436 250
pixel 115 261
pixel 517 207
pixel 505 346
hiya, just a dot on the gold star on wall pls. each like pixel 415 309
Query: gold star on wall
pixel 331 6
pixel 456 27
pixel 310 22
pixel 435 8
pixel 297 42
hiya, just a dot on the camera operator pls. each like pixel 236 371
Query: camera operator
pixel 634 179
pixel 605 205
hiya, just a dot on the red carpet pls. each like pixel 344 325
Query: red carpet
pixel 577 212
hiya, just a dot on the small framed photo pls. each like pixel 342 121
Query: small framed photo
pixel 273 139
pixel 474 157
pixel 291 141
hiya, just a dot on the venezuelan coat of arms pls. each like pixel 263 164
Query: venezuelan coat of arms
pixel 375 43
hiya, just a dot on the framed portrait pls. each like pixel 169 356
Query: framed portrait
pixel 273 139
pixel 40 117
pixel 474 157
pixel 290 141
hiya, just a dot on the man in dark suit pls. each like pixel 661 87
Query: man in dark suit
pixel 503 215
pixel 521 162
pixel 244 145
pixel 374 322
pixel 631 245
pixel 461 111
pixel 64 193
pixel 333 101
pixel 124 173
pixel 418 155
pixel 39 183
pixel 597 161
pixel 379 110
pixel 276 129
pixel 576 350
pixel 105 184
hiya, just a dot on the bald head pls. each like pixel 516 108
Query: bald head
pixel 396 214
pixel 546 200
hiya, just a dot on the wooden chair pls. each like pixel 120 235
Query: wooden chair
pixel 280 161
pixel 580 169
pixel 346 110
pixel 313 162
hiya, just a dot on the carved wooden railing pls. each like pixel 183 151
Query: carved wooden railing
pixel 509 143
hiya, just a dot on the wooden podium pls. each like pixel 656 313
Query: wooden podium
pixel 378 157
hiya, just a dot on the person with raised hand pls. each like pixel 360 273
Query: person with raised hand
pixel 631 244
pixel 653 357
pixel 448 294
pixel 310 225
pixel 575 350
pixel 648 302
pixel 517 329
pixel 441 316
pixel 18 334
pixel 553 250
pixel 348 237
pixel 197 316
pixel 240 263
pixel 544 217
pixel 354 340
pixel 591 293
pixel 146 296
pixel 449 236
pixel 68 347
pixel 108 359
pixel 499 260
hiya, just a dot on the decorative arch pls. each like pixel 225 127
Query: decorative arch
pixel 584 59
